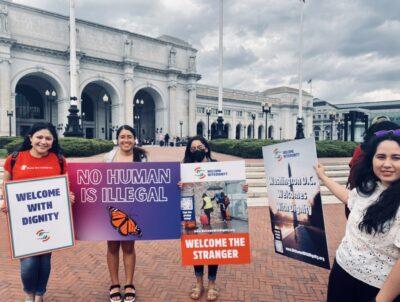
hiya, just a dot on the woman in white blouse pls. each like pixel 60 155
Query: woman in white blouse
pixel 367 262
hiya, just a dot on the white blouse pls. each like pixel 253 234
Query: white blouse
pixel 368 257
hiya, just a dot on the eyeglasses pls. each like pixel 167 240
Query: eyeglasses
pixel 385 132
pixel 199 147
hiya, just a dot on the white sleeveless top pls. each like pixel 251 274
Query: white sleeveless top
pixel 367 257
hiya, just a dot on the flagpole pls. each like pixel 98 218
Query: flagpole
pixel 220 120
pixel 299 124
pixel 73 128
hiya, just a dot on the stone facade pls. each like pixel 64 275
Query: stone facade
pixel 125 66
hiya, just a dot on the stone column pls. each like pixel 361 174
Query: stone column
pixel 128 104
pixel 191 125
pixel 172 108
pixel 5 97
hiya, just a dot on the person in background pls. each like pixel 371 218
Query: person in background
pixel 125 152
pixel 39 156
pixel 166 139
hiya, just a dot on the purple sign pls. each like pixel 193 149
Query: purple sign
pixel 126 201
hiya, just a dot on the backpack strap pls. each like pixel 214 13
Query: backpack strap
pixel 14 156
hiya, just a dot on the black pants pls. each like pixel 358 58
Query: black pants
pixel 212 271
pixel 223 211
pixel 342 287
pixel 208 214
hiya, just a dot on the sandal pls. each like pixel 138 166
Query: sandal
pixel 212 294
pixel 130 296
pixel 115 296
pixel 196 293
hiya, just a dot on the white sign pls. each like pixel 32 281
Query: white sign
pixel 39 215
pixel 213 171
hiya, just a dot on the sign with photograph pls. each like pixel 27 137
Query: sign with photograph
pixel 214 214
pixel 295 201
pixel 126 201
pixel 39 215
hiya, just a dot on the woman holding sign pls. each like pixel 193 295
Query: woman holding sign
pixel 127 151
pixel 367 263
pixel 198 150
pixel 39 156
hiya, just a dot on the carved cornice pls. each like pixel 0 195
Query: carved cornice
pixel 7 40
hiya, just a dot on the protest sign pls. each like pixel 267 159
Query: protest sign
pixel 39 215
pixel 126 201
pixel 295 201
pixel 214 201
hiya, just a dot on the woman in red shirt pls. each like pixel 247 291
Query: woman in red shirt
pixel 39 156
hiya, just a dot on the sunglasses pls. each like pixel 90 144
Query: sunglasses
pixel 385 132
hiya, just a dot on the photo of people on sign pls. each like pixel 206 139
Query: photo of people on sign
pixel 214 214
pixel 40 217
pixel 126 201
pixel 295 201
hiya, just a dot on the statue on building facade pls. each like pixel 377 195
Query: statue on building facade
pixel 172 57
pixel 192 64
pixel 4 19
pixel 128 48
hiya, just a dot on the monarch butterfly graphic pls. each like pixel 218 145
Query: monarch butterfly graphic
pixel 123 223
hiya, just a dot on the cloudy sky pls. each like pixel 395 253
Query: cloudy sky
pixel 351 47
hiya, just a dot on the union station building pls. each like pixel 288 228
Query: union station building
pixel 124 78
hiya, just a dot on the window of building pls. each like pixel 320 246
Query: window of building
pixel 200 109
pixel 239 113
pixel 260 115
pixel 214 111
pixel 227 112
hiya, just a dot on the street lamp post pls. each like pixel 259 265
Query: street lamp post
pixel 138 107
pixel 181 123
pixel 339 127
pixel 10 115
pixel 50 97
pixel 137 119
pixel 266 108
pixel 83 124
pixel 105 101
pixel 280 133
pixel 253 117
pixel 208 112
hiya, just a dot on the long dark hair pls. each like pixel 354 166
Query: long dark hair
pixel 384 210
pixel 26 145
pixel 188 157
pixel 138 153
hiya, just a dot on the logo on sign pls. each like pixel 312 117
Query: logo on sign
pixel 42 235
pixel 200 172
pixel 277 154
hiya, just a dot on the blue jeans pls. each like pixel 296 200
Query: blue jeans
pixel 35 272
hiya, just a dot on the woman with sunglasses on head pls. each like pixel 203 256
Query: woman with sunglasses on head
pixel 126 152
pixel 198 150
pixel 39 156
pixel 367 262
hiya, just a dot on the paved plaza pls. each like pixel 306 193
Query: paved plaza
pixel 80 273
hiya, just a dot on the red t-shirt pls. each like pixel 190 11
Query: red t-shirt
pixel 27 166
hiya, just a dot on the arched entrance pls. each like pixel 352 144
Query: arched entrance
pixel 36 99
pixel 271 132
pixel 238 130
pixel 249 131
pixel 227 128
pixel 213 130
pixel 97 120
pixel 200 129
pixel 260 132
pixel 317 131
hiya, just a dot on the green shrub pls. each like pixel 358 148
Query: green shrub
pixel 73 147
pixel 4 140
pixel 250 148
